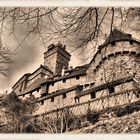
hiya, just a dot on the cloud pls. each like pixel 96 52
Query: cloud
pixel 25 59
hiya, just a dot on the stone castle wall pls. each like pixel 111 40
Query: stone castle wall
pixel 115 62
pixel 67 84
pixel 114 69
pixel 110 63
pixel 59 102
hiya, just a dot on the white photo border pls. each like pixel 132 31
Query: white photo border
pixel 69 3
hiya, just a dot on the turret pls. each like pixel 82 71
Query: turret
pixel 56 58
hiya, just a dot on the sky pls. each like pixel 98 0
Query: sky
pixel 29 56
pixel 27 59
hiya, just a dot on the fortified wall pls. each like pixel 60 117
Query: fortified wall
pixel 112 78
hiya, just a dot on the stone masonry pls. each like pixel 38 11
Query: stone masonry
pixel 105 81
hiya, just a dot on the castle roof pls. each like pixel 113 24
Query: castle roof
pixel 25 75
pixel 80 70
pixel 44 67
pixel 34 86
pixel 29 74
pixel 118 35
pixel 115 36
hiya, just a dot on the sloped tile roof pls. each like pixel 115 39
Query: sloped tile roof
pixel 35 85
pixel 115 35
pixel 80 70
pixel 29 74
pixel 118 35
pixel 26 74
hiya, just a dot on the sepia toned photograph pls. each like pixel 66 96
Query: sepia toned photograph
pixel 73 70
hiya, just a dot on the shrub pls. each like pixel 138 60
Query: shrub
pixel 92 116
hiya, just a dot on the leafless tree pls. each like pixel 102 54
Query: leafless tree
pixel 5 59
pixel 80 26
pixel 84 24
pixel 17 114
pixel 61 121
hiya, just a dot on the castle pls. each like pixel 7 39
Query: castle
pixel 114 68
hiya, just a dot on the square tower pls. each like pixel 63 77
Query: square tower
pixel 57 58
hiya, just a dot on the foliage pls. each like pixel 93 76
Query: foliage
pixel 92 116
pixel 17 113
pixel 128 109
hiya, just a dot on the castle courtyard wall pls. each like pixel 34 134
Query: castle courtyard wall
pixel 58 85
pixel 58 102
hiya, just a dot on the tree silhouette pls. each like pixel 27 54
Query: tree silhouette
pixel 79 26
pixel 17 114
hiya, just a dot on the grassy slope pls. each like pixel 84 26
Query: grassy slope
pixel 111 124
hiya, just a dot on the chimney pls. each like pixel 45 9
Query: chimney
pixel 71 68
